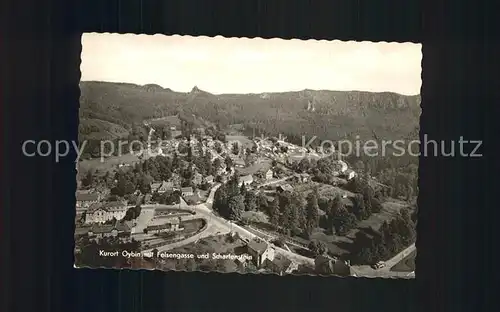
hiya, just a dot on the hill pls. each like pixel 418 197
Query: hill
pixel 330 115
pixel 120 105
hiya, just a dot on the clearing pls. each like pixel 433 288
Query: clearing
pixel 108 164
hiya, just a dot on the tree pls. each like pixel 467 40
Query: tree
pixel 317 248
pixel 235 148
pixel 218 147
pixel 250 201
pixel 343 221
pixel 236 207
pixel 132 213
pixel 312 216
pixel 216 163
pixel 228 161
pixel 144 184
pixel 88 179
pixel 274 212
pixel 359 209
pixel 304 165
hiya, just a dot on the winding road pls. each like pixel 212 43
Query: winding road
pixel 220 226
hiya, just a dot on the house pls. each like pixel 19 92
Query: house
pixel 172 225
pixel 209 179
pixel 239 163
pixel 120 230
pixel 197 178
pixel 98 213
pixel 301 177
pixel 176 133
pixel 349 174
pixel 269 174
pixel 247 180
pixel 241 262
pixel 260 252
pixel 285 188
pixel 165 187
pixel 326 265
pixel 187 191
pixel 343 166
pixel 85 200
pixel 282 265
pixel 155 186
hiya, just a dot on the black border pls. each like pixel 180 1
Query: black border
pixel 40 75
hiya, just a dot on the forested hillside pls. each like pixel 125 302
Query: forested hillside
pixel 330 115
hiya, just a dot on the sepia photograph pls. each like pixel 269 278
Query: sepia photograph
pixel 238 155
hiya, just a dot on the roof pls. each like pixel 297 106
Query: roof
pixel 166 184
pixel 107 228
pixel 156 185
pixel 282 262
pixel 239 161
pixel 94 206
pixel 246 178
pixel 286 187
pixel 107 206
pixel 87 196
pixel 259 247
pixel 209 177
pixel 187 189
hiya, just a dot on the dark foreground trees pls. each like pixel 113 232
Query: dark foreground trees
pixel 89 253
pixel 389 240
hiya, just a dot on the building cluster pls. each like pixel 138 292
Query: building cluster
pixel 97 231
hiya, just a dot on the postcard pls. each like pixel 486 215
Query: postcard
pixel 242 155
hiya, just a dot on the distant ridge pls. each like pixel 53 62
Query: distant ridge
pixel 331 114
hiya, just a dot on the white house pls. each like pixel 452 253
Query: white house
pixel 269 174
pixel 209 179
pixel 247 180
pixel 101 213
pixel 165 186
pixel 350 174
pixel 343 166
pixel 260 252
pixel 187 191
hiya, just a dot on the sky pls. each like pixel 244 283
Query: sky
pixel 240 65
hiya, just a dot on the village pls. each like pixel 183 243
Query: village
pixel 202 190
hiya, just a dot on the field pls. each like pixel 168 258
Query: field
pixel 109 164
pixel 407 264
pixel 263 165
